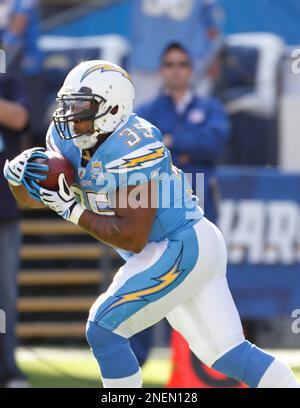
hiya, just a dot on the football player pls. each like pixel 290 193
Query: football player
pixel 128 194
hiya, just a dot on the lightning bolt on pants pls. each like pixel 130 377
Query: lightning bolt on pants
pixel 166 276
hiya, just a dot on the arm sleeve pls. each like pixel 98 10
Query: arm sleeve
pixel 204 141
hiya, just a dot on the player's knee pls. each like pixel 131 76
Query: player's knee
pixel 101 338
pixel 112 352
pixel 244 362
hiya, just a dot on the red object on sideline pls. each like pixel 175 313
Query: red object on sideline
pixel 189 372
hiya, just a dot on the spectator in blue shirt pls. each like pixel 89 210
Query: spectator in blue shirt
pixel 195 130
pixel 196 24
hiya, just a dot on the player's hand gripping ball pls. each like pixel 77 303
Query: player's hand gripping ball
pixel 37 168
pixel 57 164
pixel 63 201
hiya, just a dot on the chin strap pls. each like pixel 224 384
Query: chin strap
pixel 84 142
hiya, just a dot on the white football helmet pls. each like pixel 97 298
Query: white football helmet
pixel 99 91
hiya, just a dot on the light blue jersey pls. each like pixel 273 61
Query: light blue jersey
pixel 133 154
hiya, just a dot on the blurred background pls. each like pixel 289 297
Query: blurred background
pixel 234 115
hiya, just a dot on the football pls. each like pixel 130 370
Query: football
pixel 57 165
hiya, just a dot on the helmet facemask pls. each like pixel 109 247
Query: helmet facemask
pixel 76 117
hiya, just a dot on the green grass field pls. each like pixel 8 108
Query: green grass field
pixel 74 368
pixel 77 368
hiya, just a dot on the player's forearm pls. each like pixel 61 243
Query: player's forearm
pixel 112 230
pixel 19 192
